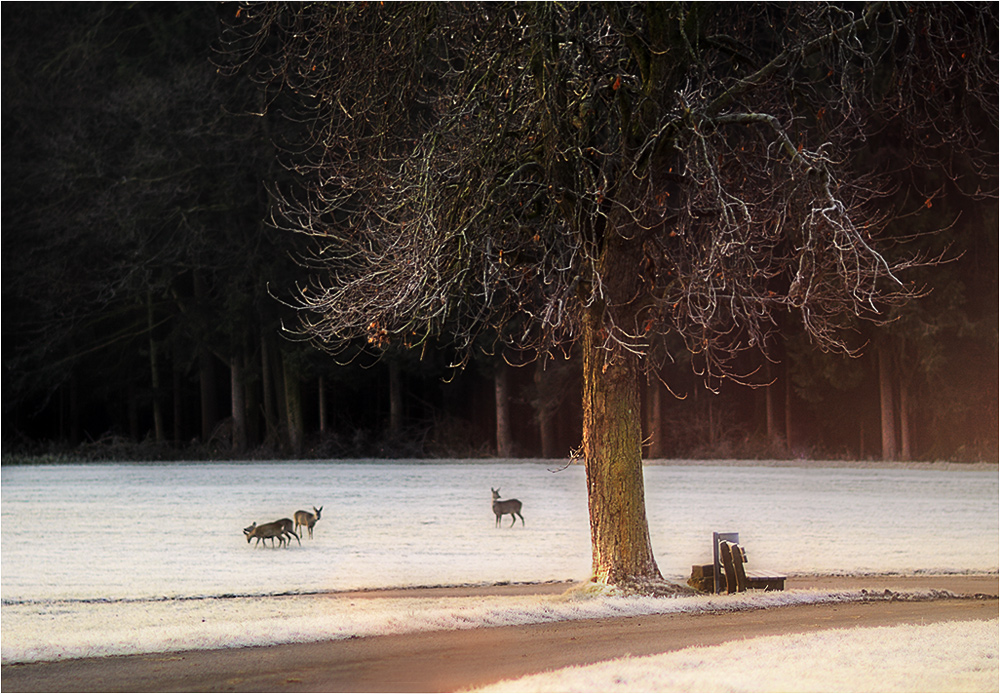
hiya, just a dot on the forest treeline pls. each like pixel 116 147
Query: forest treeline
pixel 146 315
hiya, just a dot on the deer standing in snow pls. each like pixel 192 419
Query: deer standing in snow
pixel 502 508
pixel 280 529
pixel 304 519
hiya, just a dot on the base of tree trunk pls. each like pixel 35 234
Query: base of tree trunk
pixel 655 588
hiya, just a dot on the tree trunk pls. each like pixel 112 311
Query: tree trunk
pixel 238 401
pixel 612 448
pixel 789 423
pixel 133 413
pixel 395 399
pixel 774 437
pixel 321 396
pixel 154 367
pixel 281 401
pixel 546 401
pixel 501 389
pixel 178 406
pixel 657 447
pixel 209 401
pixel 888 410
pixel 75 427
pixel 905 427
pixel 267 382
pixel 293 408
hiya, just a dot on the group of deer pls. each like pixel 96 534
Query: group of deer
pixel 283 530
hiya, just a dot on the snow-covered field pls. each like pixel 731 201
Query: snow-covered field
pixel 103 559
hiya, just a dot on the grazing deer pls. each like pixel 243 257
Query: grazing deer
pixel 281 529
pixel 304 519
pixel 511 506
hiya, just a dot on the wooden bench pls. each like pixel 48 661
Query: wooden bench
pixel 727 571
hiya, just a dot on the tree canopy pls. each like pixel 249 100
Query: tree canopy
pixel 616 175
pixel 488 153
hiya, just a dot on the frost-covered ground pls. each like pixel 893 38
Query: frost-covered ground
pixel 947 657
pixel 58 630
pixel 102 559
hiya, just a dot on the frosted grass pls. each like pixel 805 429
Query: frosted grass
pixel 947 657
pixel 60 629
pixel 130 558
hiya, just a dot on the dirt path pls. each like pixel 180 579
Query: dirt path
pixel 452 660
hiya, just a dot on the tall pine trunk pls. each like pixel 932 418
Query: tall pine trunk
pixel 154 367
pixel 293 406
pixel 395 399
pixel 501 392
pixel 321 404
pixel 887 402
pixel 238 401
pixel 268 376
pixel 905 425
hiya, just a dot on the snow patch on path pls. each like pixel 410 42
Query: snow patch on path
pixel 950 656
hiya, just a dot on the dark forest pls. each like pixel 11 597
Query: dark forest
pixel 149 290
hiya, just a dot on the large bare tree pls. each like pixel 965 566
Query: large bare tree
pixel 611 175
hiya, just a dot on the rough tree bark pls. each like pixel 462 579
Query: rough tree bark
pixel 622 553
pixel 612 436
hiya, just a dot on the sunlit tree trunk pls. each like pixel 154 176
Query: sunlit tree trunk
pixel 887 403
pixel 789 421
pixel 622 553
pixel 612 447
pixel 905 427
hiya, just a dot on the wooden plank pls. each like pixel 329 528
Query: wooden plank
pixel 702 571
pixel 738 559
pixel 726 554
